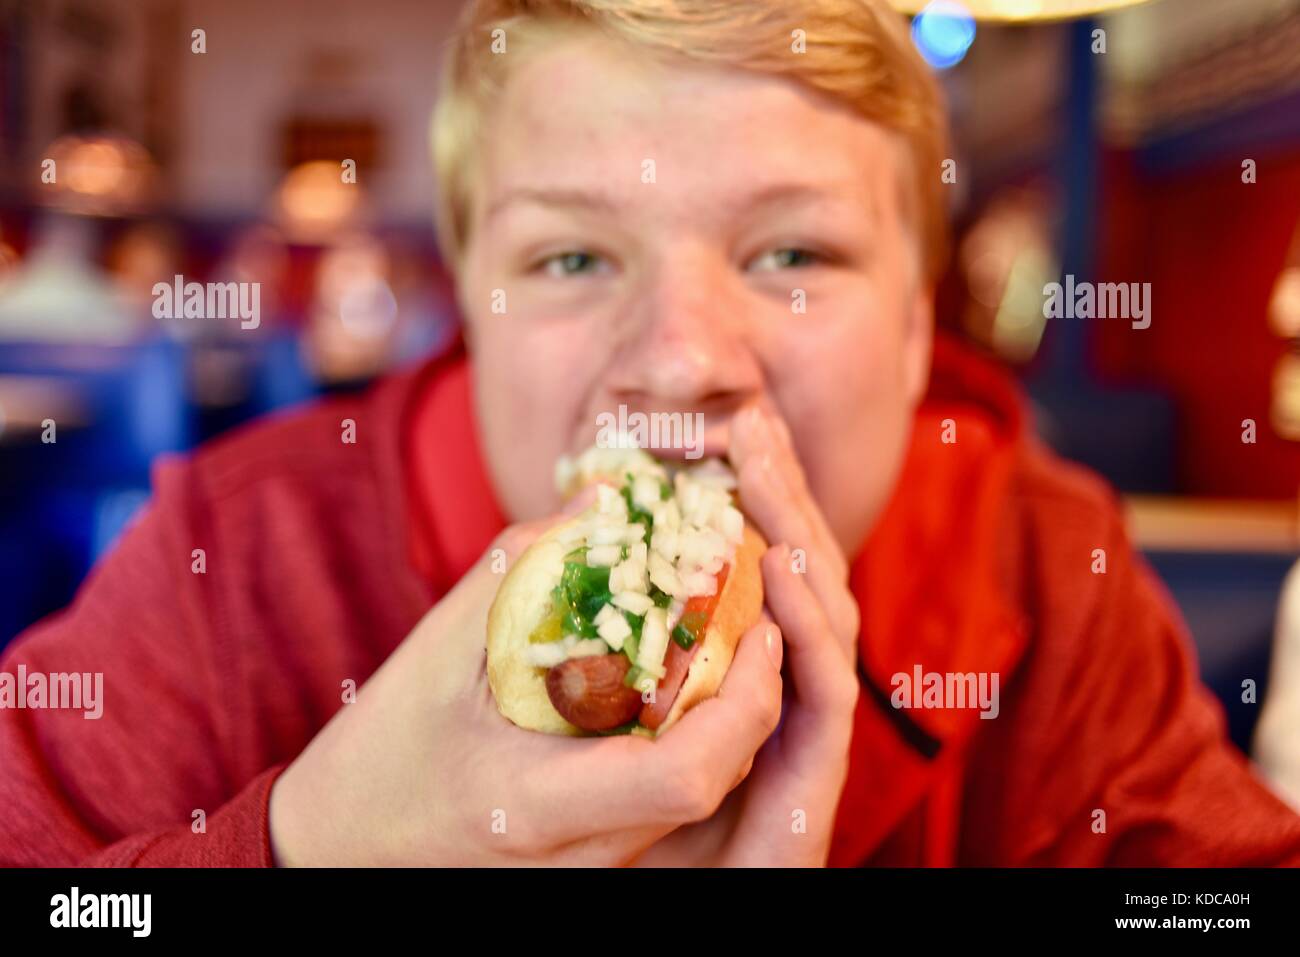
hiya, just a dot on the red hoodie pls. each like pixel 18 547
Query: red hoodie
pixel 322 555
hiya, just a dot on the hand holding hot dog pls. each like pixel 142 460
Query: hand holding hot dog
pixel 424 770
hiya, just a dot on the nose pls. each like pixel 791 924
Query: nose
pixel 688 345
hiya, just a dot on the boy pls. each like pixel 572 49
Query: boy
pixel 730 209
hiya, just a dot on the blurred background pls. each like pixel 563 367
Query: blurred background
pixel 1116 142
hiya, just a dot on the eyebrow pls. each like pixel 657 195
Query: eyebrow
pixel 554 197
pixel 775 194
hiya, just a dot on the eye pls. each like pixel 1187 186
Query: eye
pixel 787 257
pixel 572 263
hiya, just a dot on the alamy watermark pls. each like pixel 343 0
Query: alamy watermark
pixel 57 690
pixel 214 300
pixel 1105 300
pixel 133 912
pixel 654 430
pixel 945 690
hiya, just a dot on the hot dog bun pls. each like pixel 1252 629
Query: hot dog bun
pixel 521 601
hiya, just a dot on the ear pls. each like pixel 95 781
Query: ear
pixel 918 342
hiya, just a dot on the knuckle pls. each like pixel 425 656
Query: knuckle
pixel 685 793
pixel 850 619
pixel 845 691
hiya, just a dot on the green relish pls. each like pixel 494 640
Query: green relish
pixel 584 590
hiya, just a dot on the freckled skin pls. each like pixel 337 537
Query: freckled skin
pixel 682 306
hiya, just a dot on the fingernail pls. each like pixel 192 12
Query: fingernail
pixel 772 639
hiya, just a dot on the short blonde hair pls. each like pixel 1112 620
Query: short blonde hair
pixel 855 51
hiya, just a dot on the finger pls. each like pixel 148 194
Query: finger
pixel 761 436
pixel 700 844
pixel 611 849
pixel 712 747
pixel 824 681
pixel 631 783
pixel 768 501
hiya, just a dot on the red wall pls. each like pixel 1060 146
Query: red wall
pixel 1211 247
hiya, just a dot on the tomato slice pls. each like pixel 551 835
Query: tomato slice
pixel 677 662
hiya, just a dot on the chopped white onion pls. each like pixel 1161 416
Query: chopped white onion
pixel 699 583
pixel 688 495
pixel 664 575
pixel 615 632
pixel 700 548
pixel 665 542
pixel 636 602
pixel 588 647
pixel 610 534
pixel 628 576
pixel 614 629
pixel 676 608
pixel 645 492
pixel 654 643
pixel 612 461
pixel 604 556
pixel 548 654
pixel 732 524
pixel 610 502
pixel 667 517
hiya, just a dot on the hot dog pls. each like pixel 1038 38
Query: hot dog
pixel 623 618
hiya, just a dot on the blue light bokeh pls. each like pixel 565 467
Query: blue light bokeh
pixel 943 32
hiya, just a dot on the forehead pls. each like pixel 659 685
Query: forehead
pixel 585 113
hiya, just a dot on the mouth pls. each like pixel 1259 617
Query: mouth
pixel 713 444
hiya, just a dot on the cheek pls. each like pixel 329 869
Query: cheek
pixel 842 392
pixel 530 386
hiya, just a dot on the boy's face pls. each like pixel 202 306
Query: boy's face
pixel 649 230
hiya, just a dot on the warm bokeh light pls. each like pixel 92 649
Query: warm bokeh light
pixel 1006 258
pixel 313 202
pixel 98 175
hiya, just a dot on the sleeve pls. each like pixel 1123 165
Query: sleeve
pixel 127 769
pixel 1114 752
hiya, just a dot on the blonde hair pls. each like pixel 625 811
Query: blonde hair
pixel 855 51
